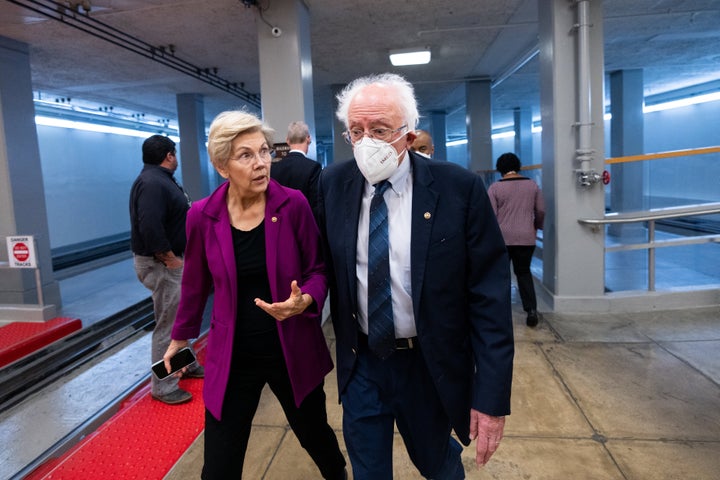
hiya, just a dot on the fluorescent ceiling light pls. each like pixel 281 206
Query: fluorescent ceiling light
pixel 410 56
pixel 94 127
pixel 683 102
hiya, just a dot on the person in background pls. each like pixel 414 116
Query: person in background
pixel 520 209
pixel 423 144
pixel 255 244
pixel 158 205
pixel 420 293
pixel 296 170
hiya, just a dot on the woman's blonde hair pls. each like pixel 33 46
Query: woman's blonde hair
pixel 228 125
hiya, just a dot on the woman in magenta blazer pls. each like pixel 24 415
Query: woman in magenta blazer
pixel 255 244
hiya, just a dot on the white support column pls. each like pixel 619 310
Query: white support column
pixel 479 125
pixel 629 187
pixel 194 162
pixel 523 135
pixel 286 67
pixel 22 191
pixel 573 255
pixel 342 151
pixel 438 132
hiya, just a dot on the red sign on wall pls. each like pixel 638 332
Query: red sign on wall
pixel 21 252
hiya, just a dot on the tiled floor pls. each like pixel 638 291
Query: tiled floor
pixel 630 397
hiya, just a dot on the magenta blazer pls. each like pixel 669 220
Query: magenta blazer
pixel 293 252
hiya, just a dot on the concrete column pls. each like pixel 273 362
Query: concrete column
pixel 628 189
pixel 286 67
pixel 342 150
pixel 479 125
pixel 193 154
pixel 523 135
pixel 573 255
pixel 22 195
pixel 438 132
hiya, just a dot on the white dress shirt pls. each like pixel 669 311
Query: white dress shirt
pixel 399 204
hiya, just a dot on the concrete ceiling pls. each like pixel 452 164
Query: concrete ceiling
pixel 675 42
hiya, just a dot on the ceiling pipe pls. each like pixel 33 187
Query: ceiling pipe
pixel 508 72
pixel 495 26
pixel 160 54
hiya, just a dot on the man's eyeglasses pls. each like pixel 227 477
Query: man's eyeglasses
pixel 354 135
pixel 246 157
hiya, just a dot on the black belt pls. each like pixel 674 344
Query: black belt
pixel 400 343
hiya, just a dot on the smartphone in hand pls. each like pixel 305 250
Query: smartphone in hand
pixel 182 358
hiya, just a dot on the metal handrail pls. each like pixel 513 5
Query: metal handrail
pixel 650 216
pixel 655 214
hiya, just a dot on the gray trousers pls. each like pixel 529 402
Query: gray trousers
pixel 164 283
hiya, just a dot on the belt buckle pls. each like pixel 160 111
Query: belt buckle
pixel 405 344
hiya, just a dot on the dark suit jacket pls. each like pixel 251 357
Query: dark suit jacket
pixel 460 279
pixel 292 252
pixel 299 172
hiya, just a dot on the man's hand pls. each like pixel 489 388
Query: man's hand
pixel 169 260
pixel 294 305
pixel 174 263
pixel 488 431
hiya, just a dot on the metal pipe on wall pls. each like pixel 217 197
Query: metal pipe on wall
pixel 584 152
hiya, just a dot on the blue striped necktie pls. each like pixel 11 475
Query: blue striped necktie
pixel 381 329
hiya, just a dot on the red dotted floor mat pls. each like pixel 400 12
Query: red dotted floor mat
pixel 19 339
pixel 142 441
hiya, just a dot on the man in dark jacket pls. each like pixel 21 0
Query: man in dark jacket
pixel 296 170
pixel 420 293
pixel 158 206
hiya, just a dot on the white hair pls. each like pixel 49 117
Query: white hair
pixel 403 89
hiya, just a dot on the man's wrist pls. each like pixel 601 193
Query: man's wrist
pixel 169 259
pixel 174 262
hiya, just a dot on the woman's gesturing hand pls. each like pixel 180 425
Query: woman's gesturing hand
pixel 294 305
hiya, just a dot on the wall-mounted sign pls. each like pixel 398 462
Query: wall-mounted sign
pixel 21 251
pixel 281 150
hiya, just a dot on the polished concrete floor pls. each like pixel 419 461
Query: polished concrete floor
pixel 623 396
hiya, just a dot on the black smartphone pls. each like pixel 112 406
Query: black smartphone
pixel 180 360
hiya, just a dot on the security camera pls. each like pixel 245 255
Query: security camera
pixel 276 32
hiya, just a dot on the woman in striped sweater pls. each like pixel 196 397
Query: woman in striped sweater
pixel 520 211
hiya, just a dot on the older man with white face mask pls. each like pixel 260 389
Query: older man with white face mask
pixel 420 298
pixel 423 144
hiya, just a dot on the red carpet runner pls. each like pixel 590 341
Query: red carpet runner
pixel 19 339
pixel 142 441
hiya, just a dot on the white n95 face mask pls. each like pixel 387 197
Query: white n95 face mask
pixel 377 160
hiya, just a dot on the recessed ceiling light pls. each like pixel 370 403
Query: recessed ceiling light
pixel 410 56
